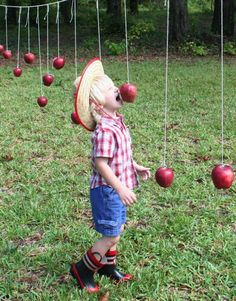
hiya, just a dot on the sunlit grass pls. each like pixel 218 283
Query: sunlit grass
pixel 179 242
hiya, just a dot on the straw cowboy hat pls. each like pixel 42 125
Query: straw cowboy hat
pixel 93 69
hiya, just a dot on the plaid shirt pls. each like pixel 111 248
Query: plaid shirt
pixel 111 139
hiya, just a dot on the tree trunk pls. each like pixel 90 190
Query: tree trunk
pixel 178 20
pixel 133 7
pixel 228 19
pixel 114 7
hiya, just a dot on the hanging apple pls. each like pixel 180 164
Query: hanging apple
pixel 7 54
pixel 74 118
pixel 128 92
pixel 17 71
pixel 2 48
pixel 58 62
pixel 222 176
pixel 29 58
pixel 48 79
pixel 164 176
pixel 42 101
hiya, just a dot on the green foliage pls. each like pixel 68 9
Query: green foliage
pixel 140 31
pixel 230 48
pixel 114 48
pixel 191 48
pixel 179 243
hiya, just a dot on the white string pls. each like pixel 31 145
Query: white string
pixel 47 18
pixel 28 23
pixel 39 44
pixel 126 41
pixel 99 35
pixel 6 28
pixel 222 82
pixel 166 80
pixel 32 6
pixel 58 29
pixel 18 49
pixel 73 12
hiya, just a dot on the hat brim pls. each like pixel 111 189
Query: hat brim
pixel 93 69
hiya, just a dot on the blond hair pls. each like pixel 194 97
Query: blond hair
pixel 96 95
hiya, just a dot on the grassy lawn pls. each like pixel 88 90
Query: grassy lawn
pixel 179 242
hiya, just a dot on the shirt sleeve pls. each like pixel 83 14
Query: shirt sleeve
pixel 104 144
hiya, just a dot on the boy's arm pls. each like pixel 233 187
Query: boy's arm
pixel 127 196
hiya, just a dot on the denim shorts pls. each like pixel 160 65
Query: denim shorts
pixel 109 213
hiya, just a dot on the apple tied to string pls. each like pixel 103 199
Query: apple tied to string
pixel 164 176
pixel 222 176
pixel 128 92
pixel 17 71
pixel 48 79
pixel 42 101
pixel 7 54
pixel 29 58
pixel 58 62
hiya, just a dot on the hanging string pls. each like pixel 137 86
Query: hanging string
pixel 18 49
pixel 126 41
pixel 33 6
pixel 58 29
pixel 73 14
pixel 47 20
pixel 167 3
pixel 99 35
pixel 6 28
pixel 222 82
pixel 28 23
pixel 40 61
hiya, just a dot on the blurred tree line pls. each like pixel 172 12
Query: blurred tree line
pixel 178 12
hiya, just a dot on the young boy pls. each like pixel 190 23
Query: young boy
pixel 114 175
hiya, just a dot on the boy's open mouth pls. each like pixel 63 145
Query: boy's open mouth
pixel 118 98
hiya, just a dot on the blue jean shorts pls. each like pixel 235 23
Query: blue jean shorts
pixel 109 213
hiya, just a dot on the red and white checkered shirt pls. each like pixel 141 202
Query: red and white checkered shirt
pixel 111 139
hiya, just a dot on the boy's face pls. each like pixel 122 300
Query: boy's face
pixel 113 101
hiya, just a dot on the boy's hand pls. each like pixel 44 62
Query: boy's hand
pixel 143 172
pixel 127 196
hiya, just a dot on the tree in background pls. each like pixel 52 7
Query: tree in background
pixel 228 7
pixel 114 7
pixel 11 12
pixel 178 20
pixel 133 4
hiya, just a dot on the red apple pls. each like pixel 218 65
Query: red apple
pixel 222 176
pixel 42 101
pixel 2 48
pixel 74 118
pixel 17 71
pixel 58 62
pixel 7 54
pixel 164 176
pixel 128 92
pixel 48 79
pixel 29 58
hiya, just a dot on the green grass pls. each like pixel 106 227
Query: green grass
pixel 179 242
